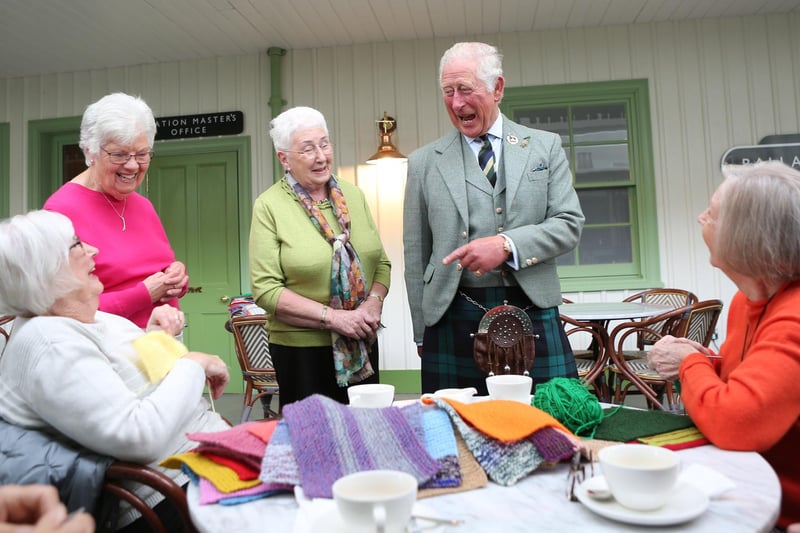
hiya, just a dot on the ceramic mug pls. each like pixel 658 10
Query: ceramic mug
pixel 640 477
pixel 371 395
pixel 377 500
pixel 510 387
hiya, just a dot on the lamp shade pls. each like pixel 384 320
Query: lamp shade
pixel 387 151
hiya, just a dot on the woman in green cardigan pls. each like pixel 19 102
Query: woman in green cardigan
pixel 317 265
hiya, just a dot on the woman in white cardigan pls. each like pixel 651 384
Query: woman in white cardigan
pixel 73 369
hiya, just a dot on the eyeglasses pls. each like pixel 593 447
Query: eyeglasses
pixel 310 150
pixel 120 158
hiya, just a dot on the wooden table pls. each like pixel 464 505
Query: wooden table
pixel 537 503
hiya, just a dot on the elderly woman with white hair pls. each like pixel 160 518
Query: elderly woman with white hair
pixel 137 265
pixel 73 370
pixel 317 265
pixel 749 398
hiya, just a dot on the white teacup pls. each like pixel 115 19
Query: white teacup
pixel 510 387
pixel 376 500
pixel 371 395
pixel 641 477
pixel 459 395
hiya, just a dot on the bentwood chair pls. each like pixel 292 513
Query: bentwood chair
pixel 252 351
pixel 671 298
pixel 119 480
pixel 591 361
pixel 629 367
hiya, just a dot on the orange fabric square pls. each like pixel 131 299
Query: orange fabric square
pixel 505 420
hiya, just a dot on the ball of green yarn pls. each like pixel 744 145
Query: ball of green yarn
pixel 569 402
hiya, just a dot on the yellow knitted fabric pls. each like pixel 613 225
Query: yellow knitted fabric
pixel 505 420
pixel 672 438
pixel 223 478
pixel 158 352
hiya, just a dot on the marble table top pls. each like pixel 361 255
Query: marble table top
pixel 600 311
pixel 538 503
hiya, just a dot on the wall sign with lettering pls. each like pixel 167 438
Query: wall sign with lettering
pixel 205 125
pixel 788 153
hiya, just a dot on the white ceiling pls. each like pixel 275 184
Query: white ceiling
pixel 49 36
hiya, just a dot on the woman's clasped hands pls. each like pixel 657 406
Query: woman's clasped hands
pixel 669 352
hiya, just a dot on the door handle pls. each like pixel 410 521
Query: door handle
pixel 225 299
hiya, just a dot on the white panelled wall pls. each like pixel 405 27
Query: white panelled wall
pixel 714 84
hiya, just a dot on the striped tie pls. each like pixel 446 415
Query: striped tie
pixel 486 159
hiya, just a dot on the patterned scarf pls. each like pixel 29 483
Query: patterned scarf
pixel 348 286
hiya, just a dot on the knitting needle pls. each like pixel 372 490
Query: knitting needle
pixel 210 397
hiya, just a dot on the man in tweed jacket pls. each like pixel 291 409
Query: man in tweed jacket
pixel 470 244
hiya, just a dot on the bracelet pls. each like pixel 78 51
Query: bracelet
pixel 376 296
pixel 322 318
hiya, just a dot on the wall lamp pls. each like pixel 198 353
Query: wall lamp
pixel 386 151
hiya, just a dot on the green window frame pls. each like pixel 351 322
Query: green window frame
pixel 629 216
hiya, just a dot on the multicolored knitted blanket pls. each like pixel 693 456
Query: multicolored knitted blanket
pixel 325 440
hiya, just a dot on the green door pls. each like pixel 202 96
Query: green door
pixel 197 198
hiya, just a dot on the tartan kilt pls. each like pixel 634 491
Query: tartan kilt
pixel 447 358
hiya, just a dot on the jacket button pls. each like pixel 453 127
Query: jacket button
pixel 463 234
pixel 499 210
pixel 528 262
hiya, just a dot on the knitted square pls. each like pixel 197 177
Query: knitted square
pixel 237 440
pixel 279 464
pixel 331 440
pixel 504 420
pixel 210 494
pixel 440 441
pixel 505 463
pixel 472 474
pixel 225 479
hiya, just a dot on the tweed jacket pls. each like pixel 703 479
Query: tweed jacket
pixel 543 217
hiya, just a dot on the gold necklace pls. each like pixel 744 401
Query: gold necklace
pixel 120 215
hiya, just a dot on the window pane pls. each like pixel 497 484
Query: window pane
pixel 550 119
pixel 568 259
pixel 599 123
pixel 608 162
pixel 605 206
pixel 601 246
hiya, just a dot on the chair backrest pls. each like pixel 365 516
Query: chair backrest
pixel 592 336
pixel 671 298
pixel 251 343
pixel 121 476
pixel 5 330
pixel 702 321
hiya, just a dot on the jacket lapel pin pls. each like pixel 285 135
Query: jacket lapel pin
pixel 512 139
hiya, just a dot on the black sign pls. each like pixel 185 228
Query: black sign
pixel 205 125
pixel 788 153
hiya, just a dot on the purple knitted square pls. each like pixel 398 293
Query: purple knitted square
pixel 331 440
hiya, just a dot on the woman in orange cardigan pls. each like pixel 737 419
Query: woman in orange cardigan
pixel 749 399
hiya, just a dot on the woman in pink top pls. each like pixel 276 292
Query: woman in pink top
pixel 136 265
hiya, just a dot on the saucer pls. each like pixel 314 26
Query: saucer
pixel 329 521
pixel 686 503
